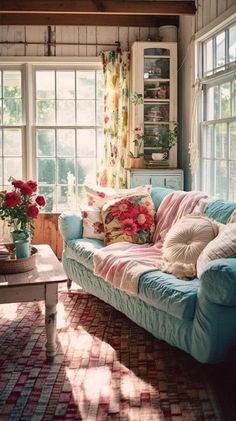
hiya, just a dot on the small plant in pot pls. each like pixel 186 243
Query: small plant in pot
pixel 162 140
pixel 136 157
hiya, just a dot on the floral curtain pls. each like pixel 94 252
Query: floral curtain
pixel 116 66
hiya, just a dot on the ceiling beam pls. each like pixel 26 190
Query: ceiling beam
pixel 88 20
pixel 116 7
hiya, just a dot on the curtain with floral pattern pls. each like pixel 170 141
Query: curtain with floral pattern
pixel 116 66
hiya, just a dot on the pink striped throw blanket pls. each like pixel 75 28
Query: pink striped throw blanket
pixel 123 263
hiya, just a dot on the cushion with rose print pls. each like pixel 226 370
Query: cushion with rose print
pixel 92 222
pixel 98 196
pixel 130 219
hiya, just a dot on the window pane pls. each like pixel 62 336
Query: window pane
pixel 213 103
pixel 208 138
pixel 207 181
pixel 66 167
pixel 12 167
pixel 100 84
pixel 232 142
pixel 65 142
pixel 86 170
pixel 45 84
pixel 12 142
pixel 45 112
pixel 66 198
pixel 65 85
pixel 86 85
pixel 221 141
pixel 232 43
pixel 99 112
pixel 12 112
pixel 86 142
pixel 65 112
pixel 232 184
pixel 234 98
pixel 208 57
pixel 49 193
pixel 0 142
pixel 45 142
pixel 225 100
pixel 46 171
pixel 86 113
pixel 11 84
pixel 221 177
pixel 220 49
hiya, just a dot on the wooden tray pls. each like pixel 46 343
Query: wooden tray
pixel 14 265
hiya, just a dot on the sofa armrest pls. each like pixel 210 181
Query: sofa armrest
pixel 218 281
pixel 70 225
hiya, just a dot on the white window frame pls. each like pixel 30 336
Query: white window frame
pixel 29 65
pixel 222 22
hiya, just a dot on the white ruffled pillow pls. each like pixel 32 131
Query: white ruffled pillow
pixel 224 245
pixel 92 222
pixel 185 241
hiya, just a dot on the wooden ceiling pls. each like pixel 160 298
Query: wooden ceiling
pixel 94 12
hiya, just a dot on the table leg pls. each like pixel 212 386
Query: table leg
pixel 51 319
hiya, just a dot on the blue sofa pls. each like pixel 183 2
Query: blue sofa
pixel 197 316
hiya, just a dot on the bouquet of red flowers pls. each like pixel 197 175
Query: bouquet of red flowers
pixel 20 207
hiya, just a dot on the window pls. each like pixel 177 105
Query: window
pixel 218 123
pixel 62 137
pixel 11 125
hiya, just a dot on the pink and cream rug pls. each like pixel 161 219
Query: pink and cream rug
pixel 107 368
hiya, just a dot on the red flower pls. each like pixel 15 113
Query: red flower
pixel 26 190
pixel 33 211
pixel 84 214
pixel 12 199
pixel 128 227
pixel 32 184
pixel 98 227
pixel 143 219
pixel 40 200
pixel 122 209
pixel 17 183
pixel 101 194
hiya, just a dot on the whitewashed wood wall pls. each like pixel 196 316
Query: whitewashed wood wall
pixel 89 40
pixel 209 14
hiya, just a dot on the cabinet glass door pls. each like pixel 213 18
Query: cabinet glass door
pixel 156 84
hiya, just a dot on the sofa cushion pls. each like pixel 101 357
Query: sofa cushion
pixel 167 293
pixel 98 196
pixel 129 219
pixel 82 250
pixel 220 210
pixel 224 245
pixel 92 222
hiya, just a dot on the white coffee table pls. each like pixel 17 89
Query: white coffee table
pixel 40 283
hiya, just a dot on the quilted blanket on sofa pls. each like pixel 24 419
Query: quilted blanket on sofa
pixel 122 263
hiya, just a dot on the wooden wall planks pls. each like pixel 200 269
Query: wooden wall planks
pixel 93 39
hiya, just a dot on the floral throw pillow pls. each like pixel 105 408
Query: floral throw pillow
pixel 129 219
pixel 98 196
pixel 92 222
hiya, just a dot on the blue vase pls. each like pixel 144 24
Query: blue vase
pixel 22 248
pixel 19 235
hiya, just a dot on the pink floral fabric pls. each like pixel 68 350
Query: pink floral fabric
pixel 92 223
pixel 129 219
pixel 98 196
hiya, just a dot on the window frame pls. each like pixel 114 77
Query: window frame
pixel 28 66
pixel 216 78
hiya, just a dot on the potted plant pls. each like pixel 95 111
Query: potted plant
pixel 163 139
pixel 136 160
